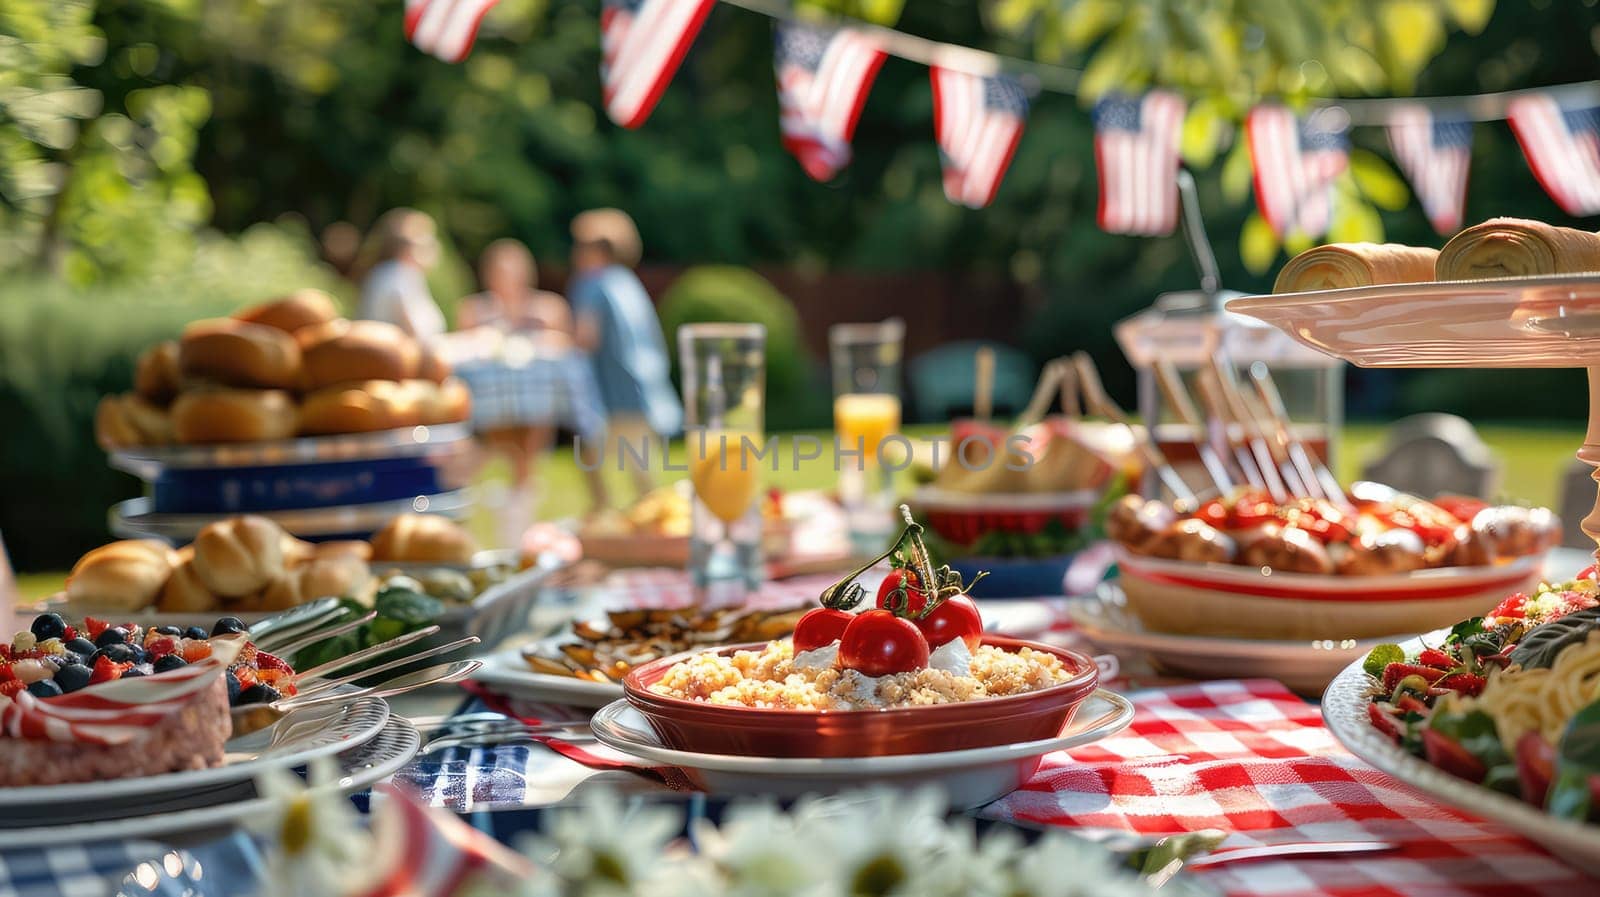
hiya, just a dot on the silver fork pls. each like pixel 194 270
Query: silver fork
pixel 255 717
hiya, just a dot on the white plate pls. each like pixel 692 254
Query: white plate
pixel 1344 709
pixel 1304 666
pixel 507 673
pixel 970 778
pixel 387 753
pixel 295 740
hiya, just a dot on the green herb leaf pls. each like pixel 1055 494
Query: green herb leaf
pixel 1463 630
pixel 1153 859
pixel 1475 731
pixel 1380 657
pixel 1577 759
pixel 1540 647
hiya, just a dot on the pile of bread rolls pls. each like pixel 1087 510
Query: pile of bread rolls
pixel 250 564
pixel 286 367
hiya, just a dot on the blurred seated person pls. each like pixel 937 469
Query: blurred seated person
pixel 616 324
pixel 396 290
pixel 511 300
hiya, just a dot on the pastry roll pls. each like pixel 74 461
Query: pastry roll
pixel 1340 265
pixel 1514 247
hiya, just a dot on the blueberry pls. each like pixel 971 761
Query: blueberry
pixel 117 653
pixel 44 688
pixel 168 663
pixel 227 626
pixel 133 672
pixel 169 630
pixel 259 694
pixel 195 632
pixel 233 687
pixel 49 626
pixel 111 637
pixel 72 676
pixel 81 646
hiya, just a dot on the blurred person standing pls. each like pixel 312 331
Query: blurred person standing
pixel 396 290
pixel 616 324
pixel 524 423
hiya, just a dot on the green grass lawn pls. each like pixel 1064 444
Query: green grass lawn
pixel 1533 458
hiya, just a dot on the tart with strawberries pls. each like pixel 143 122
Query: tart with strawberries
pixel 100 701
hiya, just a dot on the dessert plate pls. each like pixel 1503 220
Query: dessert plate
pixel 395 744
pixel 1305 666
pixel 970 778
pixel 1344 709
pixel 297 739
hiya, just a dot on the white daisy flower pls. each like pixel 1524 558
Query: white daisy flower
pixel 601 847
pixel 878 843
pixel 755 851
pixel 319 846
pixel 1060 865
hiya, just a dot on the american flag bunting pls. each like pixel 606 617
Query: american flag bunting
pixel 445 28
pixel 1434 153
pixel 824 75
pixel 978 120
pixel 642 43
pixel 1295 162
pixel 1136 154
pixel 1563 149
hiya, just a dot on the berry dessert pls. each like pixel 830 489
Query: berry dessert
pixel 1509 700
pixel 97 701
pixel 922 644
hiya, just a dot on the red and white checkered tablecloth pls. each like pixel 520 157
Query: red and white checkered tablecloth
pixel 1252 759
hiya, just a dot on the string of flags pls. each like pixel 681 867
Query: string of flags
pixel 825 72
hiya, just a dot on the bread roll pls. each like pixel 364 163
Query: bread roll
pixel 155 374
pixel 352 351
pixel 238 353
pixel 232 415
pixel 297 551
pixel 184 593
pixel 361 408
pixel 1515 247
pixel 1340 265
pixel 431 365
pixel 131 420
pixel 444 403
pixel 338 576
pixel 344 548
pixel 240 555
pixel 427 538
pixel 302 308
pixel 122 576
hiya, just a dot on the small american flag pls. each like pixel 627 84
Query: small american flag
pixel 1563 148
pixel 445 28
pixel 442 856
pixel 824 75
pixel 1435 154
pixel 1295 161
pixel 641 44
pixel 1136 153
pixel 978 121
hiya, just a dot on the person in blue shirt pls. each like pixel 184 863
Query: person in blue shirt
pixel 616 323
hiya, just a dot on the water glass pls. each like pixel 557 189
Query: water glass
pixel 866 360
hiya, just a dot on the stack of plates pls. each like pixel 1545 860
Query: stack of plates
pixel 365 740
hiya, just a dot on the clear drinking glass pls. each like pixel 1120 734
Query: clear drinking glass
pixel 866 410
pixel 724 398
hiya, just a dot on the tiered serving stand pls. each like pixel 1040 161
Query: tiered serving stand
pixel 1551 321
pixel 320 487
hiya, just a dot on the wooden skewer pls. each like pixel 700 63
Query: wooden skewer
pixel 1096 400
pixel 1217 409
pixel 1070 391
pixel 1178 397
pixel 983 384
pixel 1278 447
pixel 1044 393
pixel 1248 429
pixel 1312 470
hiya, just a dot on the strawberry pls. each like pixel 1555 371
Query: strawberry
pixel 106 669
pixel 95 627
pixel 1536 763
pixel 70 634
pixel 196 649
pixel 1433 657
pixel 161 647
pixel 1383 722
pixel 5 672
pixel 1411 704
pixel 1448 754
pixel 268 662
pixel 1514 607
pixel 1394 672
pixel 1466 683
pixel 246 675
pixel 11 687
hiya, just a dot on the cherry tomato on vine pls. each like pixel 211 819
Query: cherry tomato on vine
pixel 916 599
pixel 1252 509
pixel 1214 513
pixel 956 617
pixel 878 643
pixel 820 626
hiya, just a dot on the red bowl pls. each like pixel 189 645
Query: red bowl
pixel 687 725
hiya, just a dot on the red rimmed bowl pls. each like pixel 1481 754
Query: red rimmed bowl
pixel 1231 601
pixel 687 725
pixel 962 518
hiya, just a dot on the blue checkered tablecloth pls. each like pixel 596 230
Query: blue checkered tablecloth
pixel 551 390
pixel 139 868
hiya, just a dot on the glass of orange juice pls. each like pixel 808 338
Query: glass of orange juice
pixel 866 412
pixel 724 371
